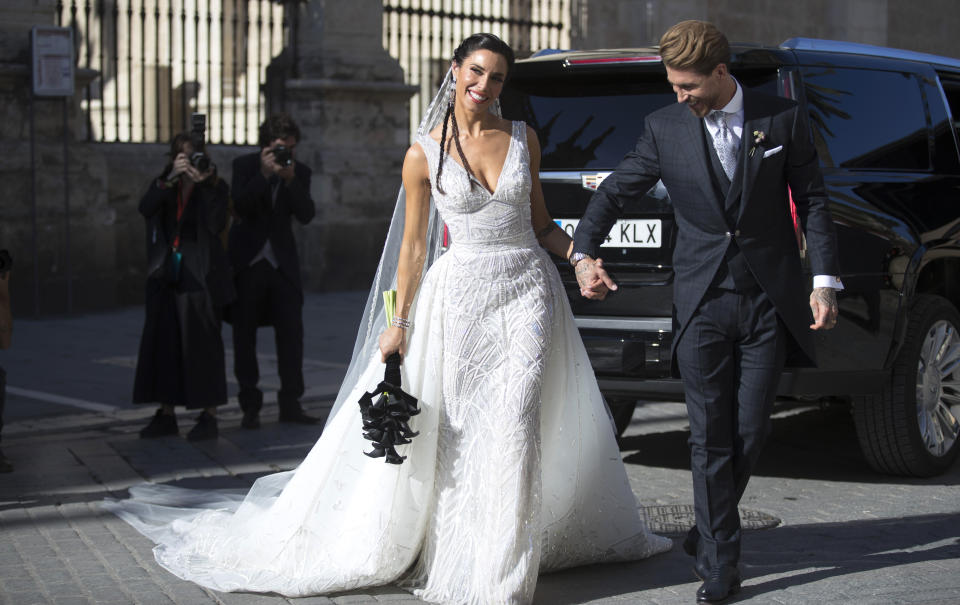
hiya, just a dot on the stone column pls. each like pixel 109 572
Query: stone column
pixel 348 96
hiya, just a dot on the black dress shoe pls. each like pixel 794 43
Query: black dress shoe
pixel 205 428
pixel 250 420
pixel 691 540
pixel 722 582
pixel 297 417
pixel 161 425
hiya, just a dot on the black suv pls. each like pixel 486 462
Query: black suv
pixel 886 125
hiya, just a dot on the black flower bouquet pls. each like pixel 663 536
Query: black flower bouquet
pixel 386 420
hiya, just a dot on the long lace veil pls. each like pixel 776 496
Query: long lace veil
pixel 374 321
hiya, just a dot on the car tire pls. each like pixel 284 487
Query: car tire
pixel 621 409
pixel 911 427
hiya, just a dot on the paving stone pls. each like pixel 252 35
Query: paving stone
pixel 71 600
pixel 22 584
pixel 54 575
pixel 68 588
pixel 246 598
pixel 25 598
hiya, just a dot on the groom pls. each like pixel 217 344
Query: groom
pixel 726 156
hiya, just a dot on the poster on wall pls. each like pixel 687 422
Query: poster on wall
pixel 52 51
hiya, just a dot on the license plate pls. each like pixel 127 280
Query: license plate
pixel 626 233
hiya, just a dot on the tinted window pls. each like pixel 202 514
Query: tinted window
pixel 867 119
pixel 592 120
pixel 946 125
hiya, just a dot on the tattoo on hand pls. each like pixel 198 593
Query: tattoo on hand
pixel 827 297
pixel 581 270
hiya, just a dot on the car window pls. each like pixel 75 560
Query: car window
pixel 592 121
pixel 867 119
pixel 947 127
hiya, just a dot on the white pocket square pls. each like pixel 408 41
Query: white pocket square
pixel 770 152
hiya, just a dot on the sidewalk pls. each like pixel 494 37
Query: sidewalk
pixel 844 534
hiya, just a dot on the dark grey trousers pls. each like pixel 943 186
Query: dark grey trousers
pixel 730 357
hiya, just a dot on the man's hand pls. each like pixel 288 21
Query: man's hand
pixel 287 173
pixel 823 303
pixel 593 279
pixel 268 165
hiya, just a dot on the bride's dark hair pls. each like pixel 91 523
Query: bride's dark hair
pixel 468 47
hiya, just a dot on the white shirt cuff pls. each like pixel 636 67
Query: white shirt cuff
pixel 827 281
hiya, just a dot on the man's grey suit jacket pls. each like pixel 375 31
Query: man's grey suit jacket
pixel 672 149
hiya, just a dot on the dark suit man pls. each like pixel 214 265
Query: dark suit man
pixel 739 291
pixel 269 189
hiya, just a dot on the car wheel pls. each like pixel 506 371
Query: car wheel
pixel 621 409
pixel 912 426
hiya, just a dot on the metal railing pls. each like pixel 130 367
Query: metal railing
pixel 161 60
pixel 422 34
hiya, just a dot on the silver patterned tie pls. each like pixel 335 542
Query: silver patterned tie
pixel 724 142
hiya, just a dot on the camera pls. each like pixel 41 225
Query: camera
pixel 6 262
pixel 198 140
pixel 283 156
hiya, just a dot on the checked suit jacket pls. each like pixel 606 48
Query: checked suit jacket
pixel 672 149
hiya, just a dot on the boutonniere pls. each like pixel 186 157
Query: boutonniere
pixel 759 137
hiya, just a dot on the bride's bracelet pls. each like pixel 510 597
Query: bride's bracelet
pixel 400 322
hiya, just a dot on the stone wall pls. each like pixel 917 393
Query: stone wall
pixel 930 26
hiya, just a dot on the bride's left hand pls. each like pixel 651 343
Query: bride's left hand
pixel 392 341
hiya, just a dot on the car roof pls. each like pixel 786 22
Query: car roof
pixel 790 51
pixel 853 48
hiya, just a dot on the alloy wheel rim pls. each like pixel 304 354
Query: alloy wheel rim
pixel 938 388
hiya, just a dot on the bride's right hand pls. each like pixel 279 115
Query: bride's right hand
pixel 392 341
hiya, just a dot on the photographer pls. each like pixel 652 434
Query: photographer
pixel 6 335
pixel 181 357
pixel 269 189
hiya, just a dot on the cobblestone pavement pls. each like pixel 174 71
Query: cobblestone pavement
pixel 846 535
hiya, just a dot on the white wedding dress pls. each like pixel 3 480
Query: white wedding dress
pixel 515 471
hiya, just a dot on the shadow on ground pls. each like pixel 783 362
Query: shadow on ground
pixel 808 443
pixel 817 551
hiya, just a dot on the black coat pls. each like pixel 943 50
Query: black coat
pixel 672 149
pixel 181 357
pixel 257 217
pixel 209 263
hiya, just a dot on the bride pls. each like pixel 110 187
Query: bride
pixel 515 471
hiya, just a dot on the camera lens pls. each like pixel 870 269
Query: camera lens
pixel 282 155
pixel 200 161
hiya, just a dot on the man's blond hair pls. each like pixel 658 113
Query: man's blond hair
pixel 694 45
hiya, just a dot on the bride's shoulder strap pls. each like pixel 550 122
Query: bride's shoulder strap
pixel 431 150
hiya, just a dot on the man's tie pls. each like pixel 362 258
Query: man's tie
pixel 724 142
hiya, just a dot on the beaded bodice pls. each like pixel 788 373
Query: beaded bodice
pixel 476 216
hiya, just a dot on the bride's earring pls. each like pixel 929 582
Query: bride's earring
pixel 453 92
